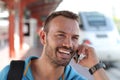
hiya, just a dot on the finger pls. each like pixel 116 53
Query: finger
pixel 82 49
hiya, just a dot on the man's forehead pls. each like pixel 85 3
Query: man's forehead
pixel 64 24
pixel 63 21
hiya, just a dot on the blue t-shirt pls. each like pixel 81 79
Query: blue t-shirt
pixel 70 73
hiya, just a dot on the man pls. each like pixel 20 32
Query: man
pixel 60 39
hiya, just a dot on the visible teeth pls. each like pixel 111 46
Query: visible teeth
pixel 63 51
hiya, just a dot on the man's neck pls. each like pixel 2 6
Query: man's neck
pixel 44 70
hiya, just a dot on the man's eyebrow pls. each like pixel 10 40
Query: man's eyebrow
pixel 61 32
pixel 77 35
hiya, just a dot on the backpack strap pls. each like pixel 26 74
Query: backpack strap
pixel 16 70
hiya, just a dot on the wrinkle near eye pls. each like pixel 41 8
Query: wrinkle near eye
pixel 62 35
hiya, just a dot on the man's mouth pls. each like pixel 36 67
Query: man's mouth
pixel 64 53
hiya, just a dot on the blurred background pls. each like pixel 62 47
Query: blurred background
pixel 21 22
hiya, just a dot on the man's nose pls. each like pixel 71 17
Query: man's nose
pixel 68 43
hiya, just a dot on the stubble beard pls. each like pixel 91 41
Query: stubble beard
pixel 52 56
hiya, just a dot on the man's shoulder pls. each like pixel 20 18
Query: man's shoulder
pixel 4 72
pixel 71 73
pixel 27 60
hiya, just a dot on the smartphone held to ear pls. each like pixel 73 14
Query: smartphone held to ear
pixel 78 57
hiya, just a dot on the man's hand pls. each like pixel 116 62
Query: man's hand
pixel 90 58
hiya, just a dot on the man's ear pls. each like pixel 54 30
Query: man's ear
pixel 43 37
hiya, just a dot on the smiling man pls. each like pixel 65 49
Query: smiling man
pixel 60 39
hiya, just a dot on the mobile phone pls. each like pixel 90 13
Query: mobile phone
pixel 78 57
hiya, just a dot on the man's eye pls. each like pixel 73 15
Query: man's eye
pixel 75 38
pixel 61 35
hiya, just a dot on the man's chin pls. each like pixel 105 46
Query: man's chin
pixel 64 64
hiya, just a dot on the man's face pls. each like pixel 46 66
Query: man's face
pixel 62 40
